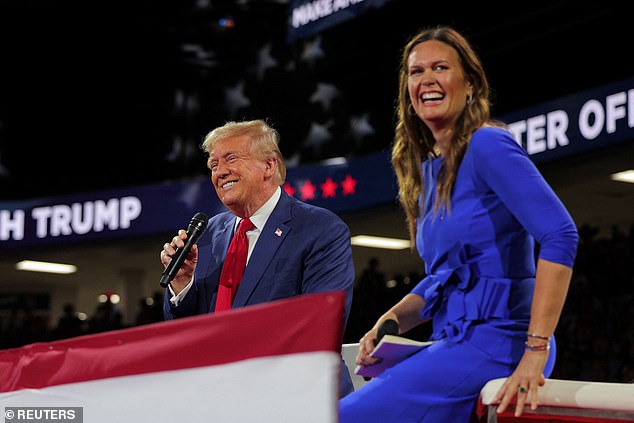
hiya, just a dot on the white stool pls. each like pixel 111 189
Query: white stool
pixel 349 353
pixel 565 401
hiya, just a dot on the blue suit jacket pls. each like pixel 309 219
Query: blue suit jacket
pixel 302 249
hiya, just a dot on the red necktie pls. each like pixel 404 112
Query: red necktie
pixel 234 266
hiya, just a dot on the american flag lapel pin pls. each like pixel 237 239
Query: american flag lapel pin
pixel 278 232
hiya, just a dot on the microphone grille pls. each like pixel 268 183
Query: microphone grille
pixel 200 217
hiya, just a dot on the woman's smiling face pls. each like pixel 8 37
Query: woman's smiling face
pixel 437 85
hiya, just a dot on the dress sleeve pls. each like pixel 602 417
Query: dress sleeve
pixel 503 165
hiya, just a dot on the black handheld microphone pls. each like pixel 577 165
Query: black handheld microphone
pixel 194 230
pixel 388 327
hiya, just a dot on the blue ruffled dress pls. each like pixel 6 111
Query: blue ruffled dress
pixel 480 265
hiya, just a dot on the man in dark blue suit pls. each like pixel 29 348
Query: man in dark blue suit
pixel 294 248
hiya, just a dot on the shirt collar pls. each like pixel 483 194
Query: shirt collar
pixel 260 217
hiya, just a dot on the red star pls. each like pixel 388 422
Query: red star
pixel 348 185
pixel 308 191
pixel 288 188
pixel 328 188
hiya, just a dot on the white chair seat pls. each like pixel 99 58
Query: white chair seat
pixel 349 353
pixel 567 398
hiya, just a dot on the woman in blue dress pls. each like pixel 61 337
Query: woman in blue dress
pixel 475 214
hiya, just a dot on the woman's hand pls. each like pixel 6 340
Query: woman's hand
pixel 366 346
pixel 551 287
pixel 406 314
pixel 524 383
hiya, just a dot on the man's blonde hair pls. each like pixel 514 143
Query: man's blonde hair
pixel 263 141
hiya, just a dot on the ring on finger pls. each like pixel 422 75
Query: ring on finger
pixel 522 390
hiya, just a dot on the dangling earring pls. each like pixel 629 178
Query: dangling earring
pixel 469 99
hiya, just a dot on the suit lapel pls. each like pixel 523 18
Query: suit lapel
pixel 213 247
pixel 222 238
pixel 269 241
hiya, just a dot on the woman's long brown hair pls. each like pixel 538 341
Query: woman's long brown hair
pixel 414 141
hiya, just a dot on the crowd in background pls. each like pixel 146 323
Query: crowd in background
pixel 595 335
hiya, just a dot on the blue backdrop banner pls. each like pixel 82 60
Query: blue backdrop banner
pixel 166 207
pixel 309 17
pixel 577 123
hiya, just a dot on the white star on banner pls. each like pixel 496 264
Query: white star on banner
pixel 177 147
pixel 318 135
pixel 324 94
pixel 312 51
pixel 196 54
pixel 181 150
pixel 185 101
pixel 235 98
pixel 265 60
pixel 293 161
pixel 361 127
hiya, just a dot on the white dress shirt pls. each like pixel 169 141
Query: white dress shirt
pixel 258 219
